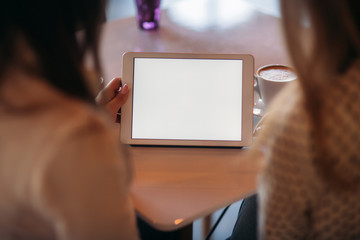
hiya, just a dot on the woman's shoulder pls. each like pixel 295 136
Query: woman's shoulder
pixel 71 114
pixel 63 113
pixel 34 113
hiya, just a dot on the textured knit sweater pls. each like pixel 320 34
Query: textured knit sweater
pixel 295 200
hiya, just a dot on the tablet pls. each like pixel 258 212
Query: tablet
pixel 188 99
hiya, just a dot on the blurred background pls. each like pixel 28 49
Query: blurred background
pixel 126 8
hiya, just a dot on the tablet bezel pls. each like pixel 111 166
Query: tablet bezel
pixel 247 100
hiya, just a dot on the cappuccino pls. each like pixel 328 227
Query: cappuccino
pixel 277 73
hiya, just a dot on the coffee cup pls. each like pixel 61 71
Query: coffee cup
pixel 270 79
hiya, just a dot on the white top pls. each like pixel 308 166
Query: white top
pixel 295 201
pixel 63 174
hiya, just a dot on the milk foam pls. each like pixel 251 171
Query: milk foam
pixel 280 74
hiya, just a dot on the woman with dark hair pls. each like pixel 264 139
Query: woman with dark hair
pixel 310 184
pixel 63 174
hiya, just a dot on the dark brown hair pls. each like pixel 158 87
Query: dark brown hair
pixel 323 38
pixel 51 29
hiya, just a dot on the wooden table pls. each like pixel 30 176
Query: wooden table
pixel 174 186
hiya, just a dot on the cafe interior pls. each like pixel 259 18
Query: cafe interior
pixel 190 82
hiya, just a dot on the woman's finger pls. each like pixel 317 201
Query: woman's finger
pixel 109 91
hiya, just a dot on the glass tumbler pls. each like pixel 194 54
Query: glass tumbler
pixel 148 14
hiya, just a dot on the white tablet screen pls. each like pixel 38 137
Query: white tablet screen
pixel 187 99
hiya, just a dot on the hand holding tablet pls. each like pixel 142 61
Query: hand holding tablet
pixel 188 99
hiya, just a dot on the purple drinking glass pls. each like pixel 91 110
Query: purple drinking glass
pixel 148 14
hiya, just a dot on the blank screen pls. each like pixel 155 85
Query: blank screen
pixel 187 99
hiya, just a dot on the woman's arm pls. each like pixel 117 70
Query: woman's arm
pixel 86 187
pixel 283 194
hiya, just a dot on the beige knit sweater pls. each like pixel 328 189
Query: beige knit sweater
pixel 295 202
pixel 63 174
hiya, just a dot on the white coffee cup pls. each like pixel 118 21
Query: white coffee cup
pixel 270 79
